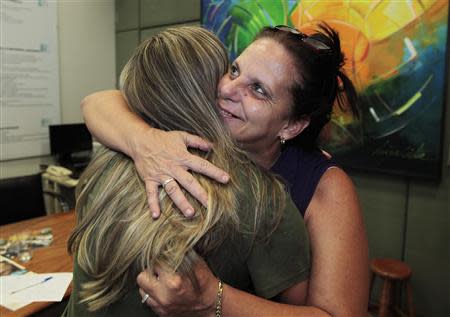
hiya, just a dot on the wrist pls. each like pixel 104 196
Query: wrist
pixel 219 298
pixel 210 299
pixel 141 132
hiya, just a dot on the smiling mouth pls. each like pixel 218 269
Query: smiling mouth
pixel 227 115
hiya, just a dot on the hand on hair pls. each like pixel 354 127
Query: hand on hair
pixel 171 294
pixel 161 155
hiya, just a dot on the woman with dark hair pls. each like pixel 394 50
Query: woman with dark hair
pixel 275 99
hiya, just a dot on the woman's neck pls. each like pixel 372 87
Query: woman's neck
pixel 264 157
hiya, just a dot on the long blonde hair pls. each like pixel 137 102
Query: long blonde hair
pixel 170 82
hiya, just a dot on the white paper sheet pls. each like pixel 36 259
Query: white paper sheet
pixel 24 289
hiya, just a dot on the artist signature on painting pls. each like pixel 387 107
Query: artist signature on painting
pixel 411 152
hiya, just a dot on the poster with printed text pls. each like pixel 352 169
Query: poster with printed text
pixel 29 100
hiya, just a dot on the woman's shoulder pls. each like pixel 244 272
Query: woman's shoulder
pixel 334 181
pixel 335 196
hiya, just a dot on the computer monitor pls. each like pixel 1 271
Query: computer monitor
pixel 68 141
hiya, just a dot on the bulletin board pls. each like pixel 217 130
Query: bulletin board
pixel 29 77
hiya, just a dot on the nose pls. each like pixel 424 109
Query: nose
pixel 230 88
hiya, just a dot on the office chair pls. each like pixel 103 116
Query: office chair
pixel 23 198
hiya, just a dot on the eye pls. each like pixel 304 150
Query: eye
pixel 234 71
pixel 257 88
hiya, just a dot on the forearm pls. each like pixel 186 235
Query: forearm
pixel 158 155
pixel 110 121
pixel 238 303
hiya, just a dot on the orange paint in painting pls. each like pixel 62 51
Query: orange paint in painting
pixel 350 25
pixel 368 30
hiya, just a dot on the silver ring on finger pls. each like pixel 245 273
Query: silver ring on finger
pixel 167 181
pixel 144 299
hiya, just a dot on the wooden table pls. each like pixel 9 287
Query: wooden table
pixel 53 258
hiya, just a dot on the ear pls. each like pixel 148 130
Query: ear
pixel 294 128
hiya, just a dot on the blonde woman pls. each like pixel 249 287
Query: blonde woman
pixel 250 234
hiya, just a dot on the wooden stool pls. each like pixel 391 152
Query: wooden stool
pixel 391 271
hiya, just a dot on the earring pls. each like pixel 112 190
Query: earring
pixel 282 140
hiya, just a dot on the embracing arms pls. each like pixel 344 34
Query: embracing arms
pixel 173 295
pixel 275 268
pixel 338 284
pixel 339 276
pixel 109 119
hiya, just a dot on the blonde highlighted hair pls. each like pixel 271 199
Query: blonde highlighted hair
pixel 170 82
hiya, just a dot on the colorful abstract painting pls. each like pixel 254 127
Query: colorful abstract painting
pixel 396 55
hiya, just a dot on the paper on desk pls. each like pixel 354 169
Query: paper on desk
pixel 13 305
pixel 25 289
pixel 9 268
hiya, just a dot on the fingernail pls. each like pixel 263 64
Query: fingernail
pixel 225 178
pixel 155 215
pixel 189 212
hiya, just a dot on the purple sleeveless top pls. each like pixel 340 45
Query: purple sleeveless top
pixel 301 171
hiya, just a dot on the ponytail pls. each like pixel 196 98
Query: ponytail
pixel 342 89
pixel 346 94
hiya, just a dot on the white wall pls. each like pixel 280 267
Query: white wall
pixel 86 40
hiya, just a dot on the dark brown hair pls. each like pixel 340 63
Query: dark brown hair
pixel 320 79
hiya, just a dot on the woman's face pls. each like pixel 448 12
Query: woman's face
pixel 254 98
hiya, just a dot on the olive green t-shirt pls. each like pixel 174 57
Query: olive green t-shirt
pixel 262 267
